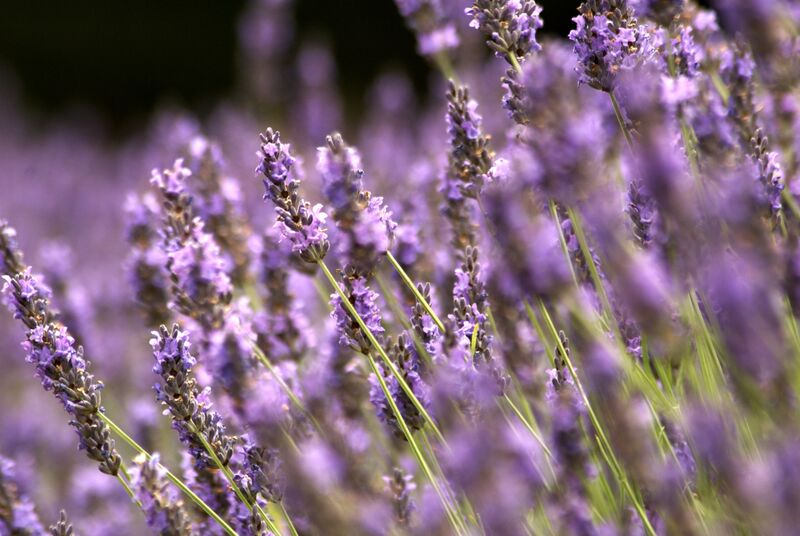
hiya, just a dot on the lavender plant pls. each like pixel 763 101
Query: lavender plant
pixel 587 323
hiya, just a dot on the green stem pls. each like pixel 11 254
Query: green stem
pixel 229 477
pixel 288 519
pixel 512 59
pixel 171 477
pixel 385 358
pixel 602 439
pixel 620 119
pixel 128 489
pixel 413 288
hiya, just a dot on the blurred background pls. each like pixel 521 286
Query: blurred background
pixel 124 61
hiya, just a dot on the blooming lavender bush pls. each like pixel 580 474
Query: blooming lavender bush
pixel 561 298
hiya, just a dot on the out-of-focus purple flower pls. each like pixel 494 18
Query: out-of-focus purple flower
pixel 366 223
pixel 17 515
pixel 426 18
pixel 199 273
pixel 263 469
pixel 298 221
pixel 217 199
pixel 400 485
pixel 509 26
pixel 163 509
pixel 661 11
pixel 405 357
pixel 608 39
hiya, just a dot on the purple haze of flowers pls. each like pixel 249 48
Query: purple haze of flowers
pixel 509 26
pixel 608 39
pixel 17 515
pixel 298 221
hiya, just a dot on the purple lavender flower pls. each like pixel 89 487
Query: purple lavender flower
pixel 298 221
pixel 405 357
pixel 364 220
pixel 469 163
pixel 163 509
pixel 60 366
pixel 146 263
pixel 426 18
pixel 608 39
pixel 189 407
pixel 400 485
pixel 365 302
pixel 509 26
pixel 218 201
pixel 17 515
pixel 264 473
pixel 199 273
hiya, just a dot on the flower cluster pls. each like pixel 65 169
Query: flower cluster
pixel 163 510
pixel 509 26
pixel 299 222
pixel 435 34
pixel 608 39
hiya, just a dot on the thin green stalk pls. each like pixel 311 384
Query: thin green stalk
pixel 392 368
pixel 563 242
pixel 413 288
pixel 423 464
pixel 171 477
pixel 128 489
pixel 288 519
pixel 231 481
pixel 601 438
pixel 514 61
pixel 621 119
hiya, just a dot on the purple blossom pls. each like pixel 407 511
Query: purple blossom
pixel 162 508
pixel 608 39
pixel 365 302
pixel 297 220
pixel 17 515
pixel 509 26
pixel 426 18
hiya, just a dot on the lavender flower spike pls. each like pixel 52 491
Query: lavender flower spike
pixel 190 409
pixel 434 33
pixel 162 508
pixel 298 221
pixel 59 364
pixel 509 26
pixel 17 516
pixel 62 527
pixel 608 39
pixel 366 223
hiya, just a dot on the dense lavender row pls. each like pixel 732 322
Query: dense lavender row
pixel 561 298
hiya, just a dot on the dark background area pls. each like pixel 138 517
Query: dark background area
pixel 123 58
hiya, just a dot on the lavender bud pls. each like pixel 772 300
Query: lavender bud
pixel 405 358
pixel 297 220
pixel 400 485
pixel 365 302
pixel 62 527
pixel 509 25
pixel 608 39
pixel 189 407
